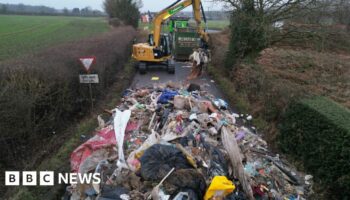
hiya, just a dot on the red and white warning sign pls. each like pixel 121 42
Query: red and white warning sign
pixel 87 62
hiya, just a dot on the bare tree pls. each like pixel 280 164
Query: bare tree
pixel 255 23
pixel 273 10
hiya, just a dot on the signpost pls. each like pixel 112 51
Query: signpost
pixel 87 62
pixel 88 78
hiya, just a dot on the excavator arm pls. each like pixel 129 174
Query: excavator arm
pixel 172 10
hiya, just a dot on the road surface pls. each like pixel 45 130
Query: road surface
pixel 182 69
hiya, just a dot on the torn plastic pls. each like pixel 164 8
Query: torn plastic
pixel 220 103
pixel 133 159
pixel 104 139
pixel 218 164
pixel 113 193
pixel 186 179
pixel 186 195
pixel 219 188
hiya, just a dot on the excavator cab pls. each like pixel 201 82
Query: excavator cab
pixel 148 54
pixel 164 49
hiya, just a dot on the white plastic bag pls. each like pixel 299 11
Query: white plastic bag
pixel 120 122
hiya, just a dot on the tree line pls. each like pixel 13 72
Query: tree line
pixel 21 9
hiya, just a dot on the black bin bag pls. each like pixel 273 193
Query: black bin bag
pixel 159 159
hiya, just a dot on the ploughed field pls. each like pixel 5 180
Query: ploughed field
pixel 25 34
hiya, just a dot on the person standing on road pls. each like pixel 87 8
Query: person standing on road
pixel 198 59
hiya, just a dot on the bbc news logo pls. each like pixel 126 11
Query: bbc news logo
pixel 47 178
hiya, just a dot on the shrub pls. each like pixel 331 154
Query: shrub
pixel 317 132
pixel 124 10
pixel 248 35
pixel 115 22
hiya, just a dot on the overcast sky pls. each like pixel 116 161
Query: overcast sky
pixel 152 5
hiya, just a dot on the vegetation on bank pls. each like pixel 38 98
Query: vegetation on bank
pixel 268 60
pixel 41 95
pixel 59 159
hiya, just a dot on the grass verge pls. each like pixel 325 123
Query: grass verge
pixel 238 100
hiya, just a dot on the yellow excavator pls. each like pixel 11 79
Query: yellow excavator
pixel 157 51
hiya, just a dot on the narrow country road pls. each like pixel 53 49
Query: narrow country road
pixel 182 69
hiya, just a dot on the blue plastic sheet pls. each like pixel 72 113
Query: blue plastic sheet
pixel 166 96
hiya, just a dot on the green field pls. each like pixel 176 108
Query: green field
pixel 24 34
pixel 218 24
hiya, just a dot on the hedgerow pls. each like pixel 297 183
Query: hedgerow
pixel 317 132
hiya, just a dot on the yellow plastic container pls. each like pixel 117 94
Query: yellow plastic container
pixel 220 186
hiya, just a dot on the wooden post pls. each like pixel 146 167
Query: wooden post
pixel 92 102
pixel 231 146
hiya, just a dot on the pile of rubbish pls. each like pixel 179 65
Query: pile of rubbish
pixel 176 142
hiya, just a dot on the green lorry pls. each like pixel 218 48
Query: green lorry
pixel 184 38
